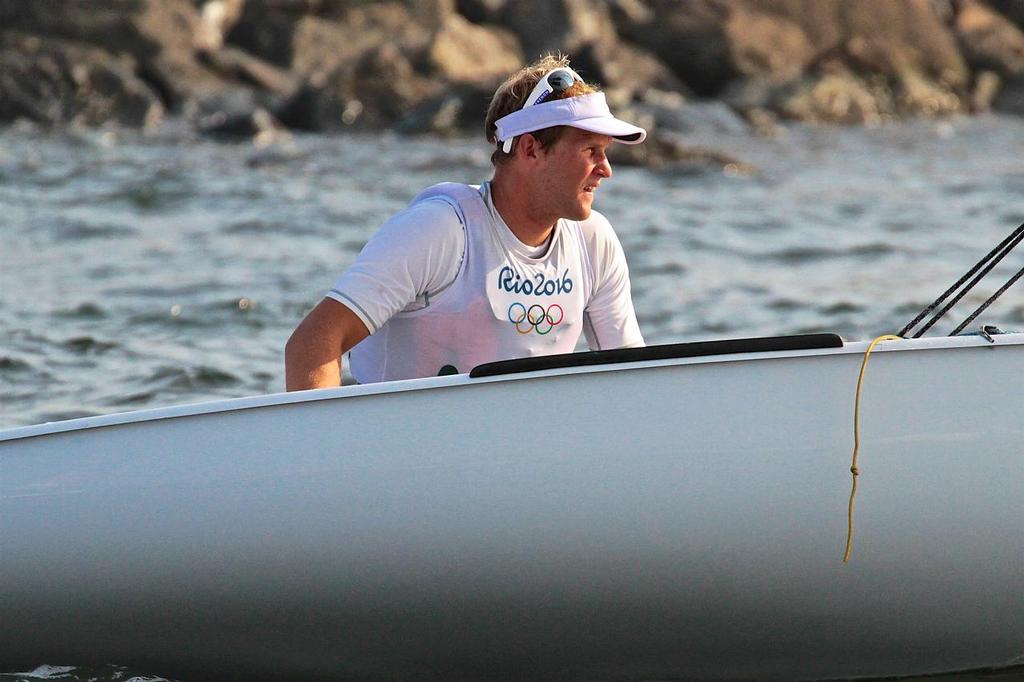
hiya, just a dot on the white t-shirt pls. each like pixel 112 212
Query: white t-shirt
pixel 446 282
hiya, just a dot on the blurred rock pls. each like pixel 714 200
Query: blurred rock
pixel 258 125
pixel 215 18
pixel 986 88
pixel 237 65
pixel 625 73
pixel 764 122
pixel 307 35
pixel 920 96
pixel 456 111
pixel 690 39
pixel 57 82
pixel 429 66
pixel 557 25
pixel 265 30
pixel 713 44
pixel 481 11
pixel 836 98
pixel 1011 9
pixel 670 112
pixel 1011 97
pixel 768 48
pixel 989 41
pixel 324 44
pixel 158 34
pixel 375 92
pixel 225 111
pixel 586 32
pixel 630 13
pixel 462 52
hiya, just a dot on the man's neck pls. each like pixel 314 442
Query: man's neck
pixel 528 227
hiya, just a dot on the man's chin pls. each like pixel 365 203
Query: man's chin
pixel 582 211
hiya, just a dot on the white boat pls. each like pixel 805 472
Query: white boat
pixel 682 517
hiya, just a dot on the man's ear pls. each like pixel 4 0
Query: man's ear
pixel 528 146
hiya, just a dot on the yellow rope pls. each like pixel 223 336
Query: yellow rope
pixel 854 471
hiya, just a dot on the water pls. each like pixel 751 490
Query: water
pixel 148 271
pixel 139 272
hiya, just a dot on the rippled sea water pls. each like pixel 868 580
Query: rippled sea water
pixel 148 271
pixel 140 271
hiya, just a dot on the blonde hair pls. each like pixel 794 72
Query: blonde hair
pixel 511 96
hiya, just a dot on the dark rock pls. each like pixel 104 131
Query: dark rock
pixel 224 109
pixel 1011 97
pixel 558 25
pixel 258 125
pixel 586 32
pixel 624 72
pixel 374 93
pixel 265 29
pixel 422 66
pixel 321 46
pixel 158 34
pixel 360 65
pixel 711 43
pixel 57 82
pixel 989 41
pixel 455 111
pixel 236 65
pixel 672 113
pixel 629 14
pixel 481 11
pixel 690 39
pixel 311 35
pixel 1011 9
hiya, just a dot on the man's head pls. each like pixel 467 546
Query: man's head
pixel 551 130
pixel 526 103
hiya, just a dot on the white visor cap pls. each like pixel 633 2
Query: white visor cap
pixel 586 112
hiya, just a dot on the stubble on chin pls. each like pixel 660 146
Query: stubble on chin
pixel 585 208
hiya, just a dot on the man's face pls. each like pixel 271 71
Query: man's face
pixel 571 171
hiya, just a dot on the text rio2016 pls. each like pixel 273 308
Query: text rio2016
pixel 538 285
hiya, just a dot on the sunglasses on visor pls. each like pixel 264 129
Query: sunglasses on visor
pixel 554 82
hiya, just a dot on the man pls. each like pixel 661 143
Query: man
pixel 519 266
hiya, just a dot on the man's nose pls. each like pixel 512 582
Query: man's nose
pixel 604 168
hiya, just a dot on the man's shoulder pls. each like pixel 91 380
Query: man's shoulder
pixel 428 213
pixel 454 193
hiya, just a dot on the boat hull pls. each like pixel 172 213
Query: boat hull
pixel 680 518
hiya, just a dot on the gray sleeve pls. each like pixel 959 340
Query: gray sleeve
pixel 415 254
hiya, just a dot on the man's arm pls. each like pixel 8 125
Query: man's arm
pixel 312 356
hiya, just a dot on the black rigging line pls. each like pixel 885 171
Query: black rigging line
pixel 988 262
pixel 1009 283
pixel 981 275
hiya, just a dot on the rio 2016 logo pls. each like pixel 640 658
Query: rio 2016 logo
pixel 535 318
pixel 533 285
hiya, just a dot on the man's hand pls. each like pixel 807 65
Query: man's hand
pixel 312 356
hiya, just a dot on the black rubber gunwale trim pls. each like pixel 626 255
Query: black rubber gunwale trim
pixel 662 352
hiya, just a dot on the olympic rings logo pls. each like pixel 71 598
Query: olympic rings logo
pixel 535 318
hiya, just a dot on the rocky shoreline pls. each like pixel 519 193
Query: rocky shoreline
pixel 244 68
